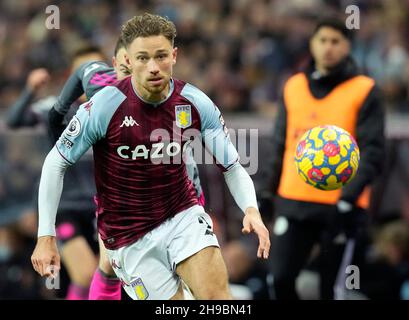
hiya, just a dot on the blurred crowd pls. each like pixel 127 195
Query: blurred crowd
pixel 240 52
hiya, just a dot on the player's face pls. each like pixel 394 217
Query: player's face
pixel 120 65
pixel 329 47
pixel 151 60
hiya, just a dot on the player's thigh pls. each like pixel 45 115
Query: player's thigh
pixel 205 274
pixel 104 263
pixel 194 252
pixel 144 268
pixel 79 260
pixel 179 295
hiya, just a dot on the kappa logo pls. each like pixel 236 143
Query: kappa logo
pixel 88 106
pixel 115 265
pixel 129 122
pixel 209 230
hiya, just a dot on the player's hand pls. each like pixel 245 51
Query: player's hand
pixel 37 78
pixel 252 222
pixel 45 258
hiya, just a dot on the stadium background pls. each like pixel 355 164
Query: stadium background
pixel 238 52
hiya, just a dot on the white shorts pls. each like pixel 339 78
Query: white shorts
pixel 147 267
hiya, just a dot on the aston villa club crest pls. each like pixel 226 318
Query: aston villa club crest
pixel 140 289
pixel 183 116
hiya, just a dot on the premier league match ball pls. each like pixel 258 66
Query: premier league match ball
pixel 327 157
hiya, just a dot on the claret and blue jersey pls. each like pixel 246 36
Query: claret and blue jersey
pixel 140 178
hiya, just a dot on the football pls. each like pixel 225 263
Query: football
pixel 327 157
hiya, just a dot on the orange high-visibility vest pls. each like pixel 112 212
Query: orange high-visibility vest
pixel 340 107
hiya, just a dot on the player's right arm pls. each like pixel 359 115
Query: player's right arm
pixel 217 141
pixel 88 126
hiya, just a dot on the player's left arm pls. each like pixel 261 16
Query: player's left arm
pixel 217 141
pixel 242 189
pixel 371 141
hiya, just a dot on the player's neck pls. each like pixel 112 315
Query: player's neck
pixel 150 96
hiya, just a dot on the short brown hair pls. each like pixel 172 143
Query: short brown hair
pixel 119 45
pixel 147 25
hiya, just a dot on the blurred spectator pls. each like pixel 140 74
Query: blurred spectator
pixel 241 52
pixel 18 115
pixel 392 246
pixel 305 215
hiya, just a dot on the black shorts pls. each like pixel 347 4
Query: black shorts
pixel 72 223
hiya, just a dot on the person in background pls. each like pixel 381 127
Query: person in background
pixel 330 91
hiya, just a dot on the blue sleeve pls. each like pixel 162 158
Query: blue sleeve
pixel 213 129
pixel 90 123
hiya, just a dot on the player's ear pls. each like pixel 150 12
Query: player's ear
pixel 174 54
pixel 114 62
